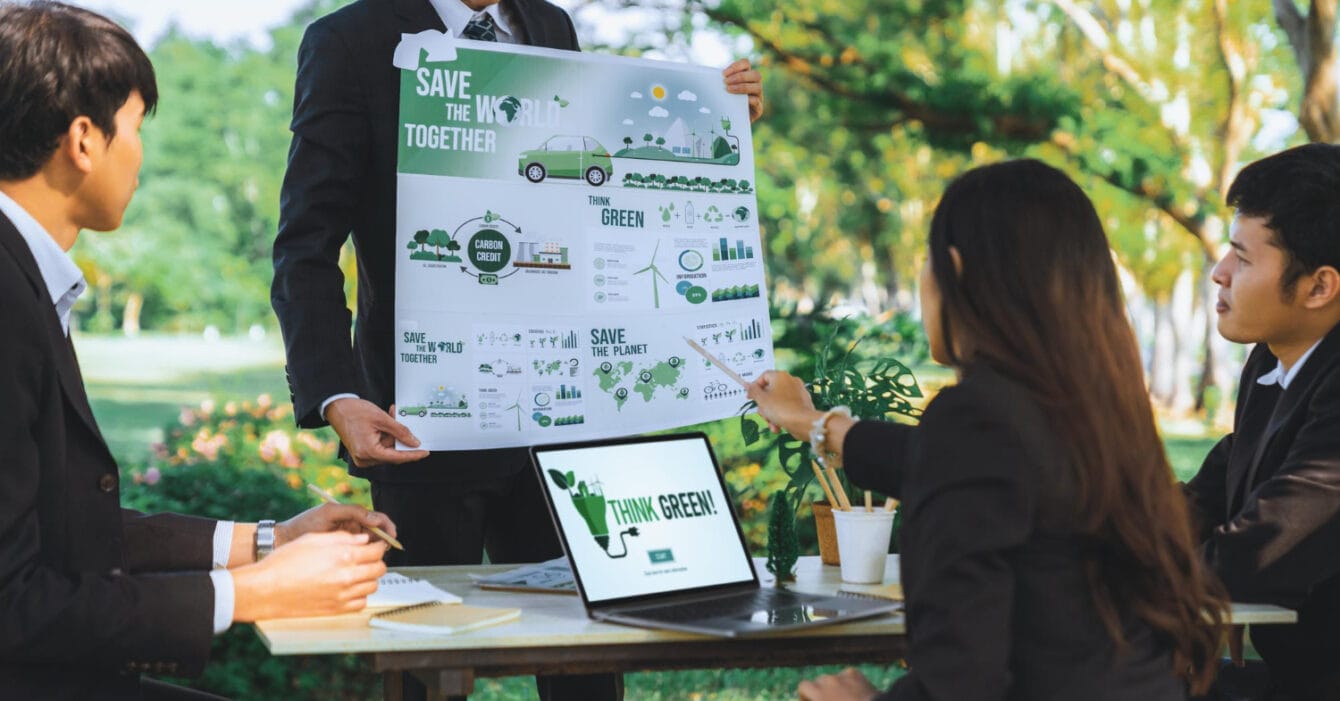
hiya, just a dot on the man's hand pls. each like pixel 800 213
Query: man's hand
pixel 742 79
pixel 319 574
pixel 850 685
pixel 370 434
pixel 331 517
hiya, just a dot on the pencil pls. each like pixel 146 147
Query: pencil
pixel 375 530
pixel 823 483
pixel 713 360
pixel 868 505
pixel 890 503
pixel 837 487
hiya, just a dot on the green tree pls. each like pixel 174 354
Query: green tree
pixel 783 544
pixel 647 138
pixel 439 238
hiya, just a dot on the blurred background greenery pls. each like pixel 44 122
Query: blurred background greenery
pixel 872 106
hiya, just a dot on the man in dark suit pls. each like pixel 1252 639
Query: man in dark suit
pixel 1268 495
pixel 92 595
pixel 341 178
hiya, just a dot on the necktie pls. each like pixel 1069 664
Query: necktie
pixel 481 28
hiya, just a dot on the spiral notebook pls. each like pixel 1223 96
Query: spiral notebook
pixel 439 618
pixel 395 590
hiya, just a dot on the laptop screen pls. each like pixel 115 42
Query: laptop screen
pixel 644 516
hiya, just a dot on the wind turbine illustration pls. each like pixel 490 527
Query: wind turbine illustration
pixel 516 405
pixel 655 273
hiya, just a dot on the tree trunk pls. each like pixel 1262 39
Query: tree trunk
pixel 130 316
pixel 1313 41
pixel 1162 355
pixel 1186 339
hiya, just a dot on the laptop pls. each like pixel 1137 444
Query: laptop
pixel 654 541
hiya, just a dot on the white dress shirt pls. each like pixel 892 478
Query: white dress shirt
pixel 1283 377
pixel 65 283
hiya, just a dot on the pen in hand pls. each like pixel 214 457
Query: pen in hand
pixel 326 496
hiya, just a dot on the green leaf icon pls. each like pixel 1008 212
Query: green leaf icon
pixel 572 477
pixel 559 479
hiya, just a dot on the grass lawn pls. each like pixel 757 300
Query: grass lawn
pixel 138 385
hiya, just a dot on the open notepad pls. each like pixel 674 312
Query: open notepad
pixel 441 618
pixel 397 590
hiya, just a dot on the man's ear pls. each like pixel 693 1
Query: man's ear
pixel 1323 287
pixel 81 144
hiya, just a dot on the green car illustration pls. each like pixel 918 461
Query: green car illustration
pixel 567 157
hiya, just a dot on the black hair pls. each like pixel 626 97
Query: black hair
pixel 1297 192
pixel 57 63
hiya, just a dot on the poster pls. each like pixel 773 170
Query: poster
pixel 564 222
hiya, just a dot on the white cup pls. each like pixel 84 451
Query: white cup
pixel 863 541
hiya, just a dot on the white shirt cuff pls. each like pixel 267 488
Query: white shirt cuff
pixel 224 600
pixel 223 543
pixel 333 397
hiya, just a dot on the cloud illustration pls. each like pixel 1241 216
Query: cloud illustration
pixel 635 95
pixel 687 96
pixel 659 112
pixel 704 110
pixel 628 122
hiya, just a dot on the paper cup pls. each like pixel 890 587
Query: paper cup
pixel 863 540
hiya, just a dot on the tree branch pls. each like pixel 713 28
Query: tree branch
pixel 1294 24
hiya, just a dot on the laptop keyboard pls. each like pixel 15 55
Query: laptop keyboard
pixel 729 606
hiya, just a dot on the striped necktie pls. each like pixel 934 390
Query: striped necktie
pixel 481 28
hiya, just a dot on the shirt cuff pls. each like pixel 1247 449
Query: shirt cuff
pixel 223 543
pixel 224 599
pixel 333 397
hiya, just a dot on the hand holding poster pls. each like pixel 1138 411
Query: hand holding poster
pixel 564 221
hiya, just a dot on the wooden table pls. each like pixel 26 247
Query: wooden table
pixel 554 636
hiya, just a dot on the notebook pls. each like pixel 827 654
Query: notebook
pixel 439 618
pixel 887 592
pixel 396 590
pixel 654 541
pixel 549 577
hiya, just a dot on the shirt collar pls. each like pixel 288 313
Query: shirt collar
pixel 62 277
pixel 456 14
pixel 1282 378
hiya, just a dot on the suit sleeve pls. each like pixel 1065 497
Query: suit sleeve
pixel 326 176
pixel 49 615
pixel 968 510
pixel 168 542
pixel 1285 539
pixel 1207 492
pixel 874 453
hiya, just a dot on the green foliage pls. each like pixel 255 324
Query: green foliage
pixel 783 545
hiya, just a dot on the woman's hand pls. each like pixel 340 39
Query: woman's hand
pixel 784 403
pixel 850 685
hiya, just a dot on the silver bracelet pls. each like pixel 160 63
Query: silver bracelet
pixel 819 435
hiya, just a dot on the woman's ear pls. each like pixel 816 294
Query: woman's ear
pixel 958 261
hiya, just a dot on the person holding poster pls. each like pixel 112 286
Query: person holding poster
pixel 1047 553
pixel 451 506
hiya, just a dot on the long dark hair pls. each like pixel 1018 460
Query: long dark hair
pixel 1037 299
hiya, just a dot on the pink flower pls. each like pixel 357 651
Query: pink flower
pixel 207 407
pixel 152 475
pixel 186 418
pixel 264 401
pixel 230 408
pixel 274 444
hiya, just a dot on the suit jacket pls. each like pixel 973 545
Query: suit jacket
pixel 91 595
pixel 998 606
pixel 341 178
pixel 1268 501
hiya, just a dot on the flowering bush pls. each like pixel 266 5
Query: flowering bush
pixel 247 461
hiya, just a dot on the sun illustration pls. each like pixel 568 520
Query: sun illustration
pixel 658 92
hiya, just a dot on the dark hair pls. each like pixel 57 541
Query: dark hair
pixel 1297 192
pixel 58 63
pixel 1037 300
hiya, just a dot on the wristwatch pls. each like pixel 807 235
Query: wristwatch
pixel 265 539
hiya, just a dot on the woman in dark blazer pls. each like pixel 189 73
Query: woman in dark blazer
pixel 1046 553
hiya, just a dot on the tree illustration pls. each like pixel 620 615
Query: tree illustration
pixel 725 125
pixel 453 245
pixel 647 138
pixel 412 245
pixel 437 239
pixel 628 141
pixel 660 141
pixel 421 238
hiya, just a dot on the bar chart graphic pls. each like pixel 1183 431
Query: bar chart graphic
pixel 568 392
pixel 751 331
pixel 570 340
pixel 725 251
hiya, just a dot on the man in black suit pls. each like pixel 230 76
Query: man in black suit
pixel 92 595
pixel 341 178
pixel 1268 495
